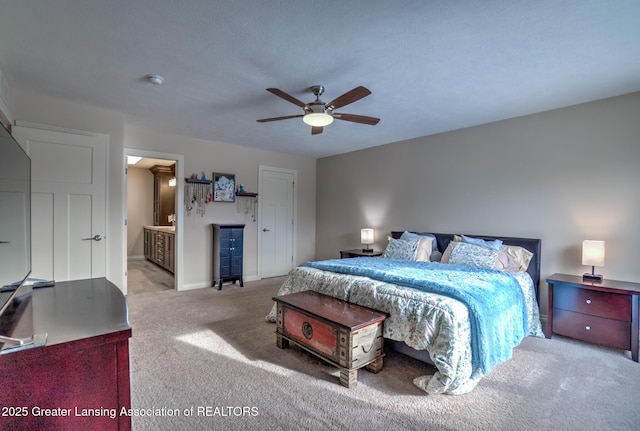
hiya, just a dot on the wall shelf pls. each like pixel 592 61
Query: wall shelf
pixel 195 181
pixel 197 193
pixel 246 194
pixel 247 206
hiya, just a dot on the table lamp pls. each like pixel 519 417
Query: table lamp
pixel 593 255
pixel 366 237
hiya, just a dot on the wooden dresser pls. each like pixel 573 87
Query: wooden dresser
pixel 345 335
pixel 604 313
pixel 82 369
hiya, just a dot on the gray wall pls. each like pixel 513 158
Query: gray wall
pixel 207 156
pixel 139 209
pixel 562 176
pixel 199 155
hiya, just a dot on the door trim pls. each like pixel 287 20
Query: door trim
pixel 179 158
pixel 261 169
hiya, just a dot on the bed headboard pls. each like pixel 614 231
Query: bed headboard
pixel 531 244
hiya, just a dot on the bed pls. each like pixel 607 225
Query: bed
pixel 459 302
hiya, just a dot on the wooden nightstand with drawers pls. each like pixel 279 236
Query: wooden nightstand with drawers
pixel 358 252
pixel 604 313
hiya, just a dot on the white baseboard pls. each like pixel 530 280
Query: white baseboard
pixel 202 285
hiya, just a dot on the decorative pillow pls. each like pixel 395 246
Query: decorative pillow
pixel 418 249
pixel 506 262
pixel 448 250
pixel 435 254
pixel 520 255
pixel 495 244
pixel 404 249
pixel 408 235
pixel 467 254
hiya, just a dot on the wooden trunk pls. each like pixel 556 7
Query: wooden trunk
pixel 345 335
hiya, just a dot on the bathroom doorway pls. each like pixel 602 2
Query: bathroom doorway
pixel 153 221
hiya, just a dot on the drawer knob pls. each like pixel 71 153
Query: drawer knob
pixel 588 301
pixel 588 327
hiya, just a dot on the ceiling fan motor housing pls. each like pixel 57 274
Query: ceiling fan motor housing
pixel 317 90
pixel 317 107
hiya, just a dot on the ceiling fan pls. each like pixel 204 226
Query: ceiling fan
pixel 318 114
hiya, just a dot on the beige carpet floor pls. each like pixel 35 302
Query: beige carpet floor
pixel 206 360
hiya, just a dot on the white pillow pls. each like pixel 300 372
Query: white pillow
pixel 521 255
pixel 423 253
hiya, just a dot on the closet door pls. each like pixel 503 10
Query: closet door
pixel 68 195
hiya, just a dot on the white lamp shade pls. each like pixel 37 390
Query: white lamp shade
pixel 366 236
pixel 593 253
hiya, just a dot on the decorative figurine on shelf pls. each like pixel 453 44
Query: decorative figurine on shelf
pixel 204 176
pixel 240 188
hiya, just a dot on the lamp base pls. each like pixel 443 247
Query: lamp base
pixel 367 250
pixel 595 278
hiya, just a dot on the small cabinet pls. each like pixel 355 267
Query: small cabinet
pixel 227 253
pixel 159 247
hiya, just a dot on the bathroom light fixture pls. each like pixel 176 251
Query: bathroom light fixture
pixel 592 254
pixel 366 237
pixel 172 182
pixel 132 160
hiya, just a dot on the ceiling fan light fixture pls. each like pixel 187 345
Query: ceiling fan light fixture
pixel 317 119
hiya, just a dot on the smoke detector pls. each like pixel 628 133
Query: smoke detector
pixel 155 79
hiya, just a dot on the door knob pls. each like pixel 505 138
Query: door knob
pixel 94 238
pixel 264 229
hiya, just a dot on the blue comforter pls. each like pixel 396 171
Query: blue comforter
pixel 496 303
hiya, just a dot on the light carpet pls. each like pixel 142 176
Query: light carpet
pixel 206 360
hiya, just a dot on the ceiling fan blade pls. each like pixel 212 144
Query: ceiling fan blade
pixel 287 97
pixel 316 130
pixel 348 97
pixel 266 120
pixel 362 119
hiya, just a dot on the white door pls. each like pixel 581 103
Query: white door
pixel 68 197
pixel 277 221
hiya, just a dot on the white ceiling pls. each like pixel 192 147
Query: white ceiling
pixel 432 66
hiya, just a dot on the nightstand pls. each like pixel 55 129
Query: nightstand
pixel 604 313
pixel 357 252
